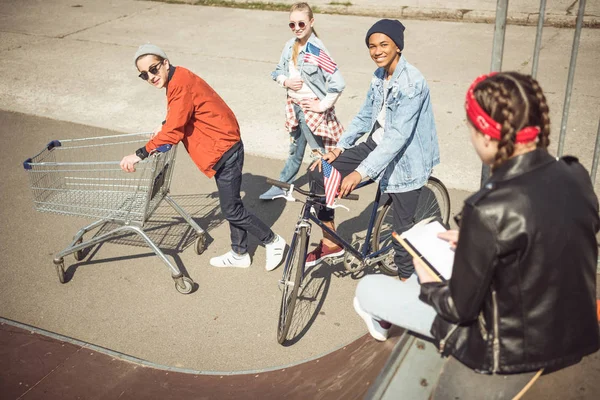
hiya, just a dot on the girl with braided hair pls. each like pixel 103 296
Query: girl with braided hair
pixel 523 287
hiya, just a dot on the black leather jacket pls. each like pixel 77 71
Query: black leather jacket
pixel 523 288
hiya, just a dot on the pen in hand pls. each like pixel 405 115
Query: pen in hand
pixel 451 237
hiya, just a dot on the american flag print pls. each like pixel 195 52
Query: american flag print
pixel 315 55
pixel 332 179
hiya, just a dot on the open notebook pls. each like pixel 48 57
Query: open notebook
pixel 421 241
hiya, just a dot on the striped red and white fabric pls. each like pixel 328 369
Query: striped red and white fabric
pixel 317 56
pixel 332 179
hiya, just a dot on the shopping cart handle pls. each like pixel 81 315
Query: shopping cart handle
pixel 49 146
pixel 53 144
pixel 162 149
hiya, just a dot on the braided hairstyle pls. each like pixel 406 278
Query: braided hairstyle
pixel 302 6
pixel 515 101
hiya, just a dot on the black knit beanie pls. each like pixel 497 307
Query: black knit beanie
pixel 391 28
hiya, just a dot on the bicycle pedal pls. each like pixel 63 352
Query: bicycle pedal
pixel 288 283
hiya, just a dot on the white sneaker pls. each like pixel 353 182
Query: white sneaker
pixel 231 259
pixel 275 251
pixel 376 330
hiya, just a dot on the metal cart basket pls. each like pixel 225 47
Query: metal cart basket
pixel 82 177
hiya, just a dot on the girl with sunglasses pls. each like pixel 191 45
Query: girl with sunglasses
pixel 313 84
pixel 523 287
pixel 199 118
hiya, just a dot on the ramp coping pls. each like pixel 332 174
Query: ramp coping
pixel 136 360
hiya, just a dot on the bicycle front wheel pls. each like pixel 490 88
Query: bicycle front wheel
pixel 434 201
pixel 290 282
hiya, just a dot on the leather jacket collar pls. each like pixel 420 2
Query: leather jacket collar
pixel 521 164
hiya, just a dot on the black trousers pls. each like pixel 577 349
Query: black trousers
pixel 404 204
pixel 241 221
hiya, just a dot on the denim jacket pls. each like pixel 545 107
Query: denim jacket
pixel 408 151
pixel 319 81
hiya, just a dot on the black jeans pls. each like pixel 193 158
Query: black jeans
pixel 229 182
pixel 404 204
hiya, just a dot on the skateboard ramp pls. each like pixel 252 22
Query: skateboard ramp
pixel 37 364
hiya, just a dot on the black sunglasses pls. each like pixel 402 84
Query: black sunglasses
pixel 301 25
pixel 153 69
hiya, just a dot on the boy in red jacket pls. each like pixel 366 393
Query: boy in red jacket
pixel 198 117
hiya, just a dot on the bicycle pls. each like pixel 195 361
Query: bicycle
pixel 434 200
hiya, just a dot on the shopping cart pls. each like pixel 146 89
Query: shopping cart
pixel 82 177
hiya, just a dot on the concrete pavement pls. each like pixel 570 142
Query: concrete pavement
pixel 558 13
pixel 75 64
pixel 72 63
pixel 122 297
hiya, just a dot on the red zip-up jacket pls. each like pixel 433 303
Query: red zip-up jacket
pixel 198 117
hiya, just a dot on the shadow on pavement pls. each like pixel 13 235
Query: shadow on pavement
pixel 165 227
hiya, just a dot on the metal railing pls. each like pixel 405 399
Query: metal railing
pixel 497 55
pixel 567 103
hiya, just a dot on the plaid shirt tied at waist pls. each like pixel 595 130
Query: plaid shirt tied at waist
pixel 326 125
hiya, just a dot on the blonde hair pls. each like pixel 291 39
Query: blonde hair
pixel 302 6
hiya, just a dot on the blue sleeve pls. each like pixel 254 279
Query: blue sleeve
pixel 279 68
pixel 360 124
pixel 335 81
pixel 401 124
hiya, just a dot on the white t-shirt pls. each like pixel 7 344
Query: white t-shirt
pixel 380 125
pixel 305 92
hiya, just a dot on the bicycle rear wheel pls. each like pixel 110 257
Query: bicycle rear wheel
pixel 291 280
pixel 434 201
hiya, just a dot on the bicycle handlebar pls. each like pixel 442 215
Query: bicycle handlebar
pixel 284 185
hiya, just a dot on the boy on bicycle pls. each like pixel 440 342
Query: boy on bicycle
pixel 401 148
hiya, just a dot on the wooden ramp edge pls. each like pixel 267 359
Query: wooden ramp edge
pixel 40 364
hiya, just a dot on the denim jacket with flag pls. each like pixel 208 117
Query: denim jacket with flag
pixel 408 150
pixel 318 79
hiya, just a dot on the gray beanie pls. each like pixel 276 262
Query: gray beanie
pixel 146 49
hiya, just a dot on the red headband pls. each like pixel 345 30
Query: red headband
pixel 485 124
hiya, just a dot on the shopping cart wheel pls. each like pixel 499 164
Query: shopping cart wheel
pixel 200 244
pixel 188 285
pixel 60 269
pixel 79 255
